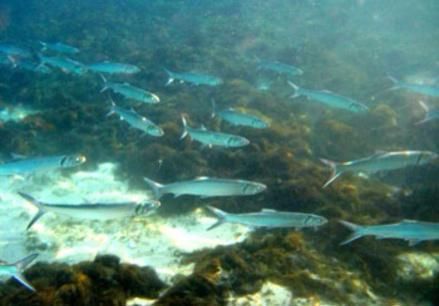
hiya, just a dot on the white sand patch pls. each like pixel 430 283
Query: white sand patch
pixel 145 240
pixel 418 265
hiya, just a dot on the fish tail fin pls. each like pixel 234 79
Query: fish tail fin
pixel 395 82
pixel 213 108
pixel 355 228
pixel 334 174
pixel 170 76
pixel 112 108
pixel 13 61
pixel 156 187
pixel 426 109
pixel 43 46
pixel 37 204
pixel 21 265
pixel 296 90
pixel 184 134
pixel 105 82
pixel 219 214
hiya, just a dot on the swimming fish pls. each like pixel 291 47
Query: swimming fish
pixel 15 270
pixel 66 65
pixel 193 78
pixel 427 90
pixel 211 138
pixel 59 47
pixel 113 68
pixel 268 218
pixel 14 51
pixel 381 161
pixel 131 92
pixel 329 98
pixel 411 230
pixel 207 187
pixel 279 67
pixel 239 118
pixel 92 211
pixel 136 121
pixel 430 114
pixel 23 166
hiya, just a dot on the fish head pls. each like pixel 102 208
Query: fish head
pixel 73 160
pixel 359 107
pixel 426 157
pixel 237 141
pixel 250 188
pixel 214 81
pixel 155 130
pixel 147 207
pixel 154 98
pixel 260 124
pixel 315 220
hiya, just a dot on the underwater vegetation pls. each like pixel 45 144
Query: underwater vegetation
pixel 215 48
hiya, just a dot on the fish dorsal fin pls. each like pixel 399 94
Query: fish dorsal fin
pixel 327 91
pixel 18 156
pixel 203 128
pixel 231 109
pixel 408 221
pixel 201 178
pixel 268 210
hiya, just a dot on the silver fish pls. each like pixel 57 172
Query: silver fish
pixel 206 187
pixel 239 118
pixel 136 121
pixel 211 138
pixel 113 68
pixel 24 166
pixel 329 98
pixel 279 67
pixel 268 218
pixel 381 161
pixel 92 211
pixel 430 114
pixel 66 65
pixel 59 47
pixel 193 78
pixel 427 90
pixel 411 230
pixel 15 270
pixel 14 51
pixel 131 92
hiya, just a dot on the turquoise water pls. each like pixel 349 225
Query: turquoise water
pixel 342 55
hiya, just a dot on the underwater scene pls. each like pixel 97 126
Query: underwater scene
pixel 236 153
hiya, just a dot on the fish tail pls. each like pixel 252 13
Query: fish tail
pixel 213 108
pixel 334 174
pixel 296 90
pixel 105 82
pixel 21 265
pixel 219 214
pixel 43 46
pixel 37 204
pixel 113 107
pixel 156 187
pixel 184 134
pixel 426 109
pixel 170 76
pixel 13 61
pixel 395 82
pixel 356 231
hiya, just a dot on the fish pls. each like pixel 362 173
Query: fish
pixel 193 78
pixel 206 187
pixel 239 118
pixel 279 68
pixel 211 138
pixel 330 99
pixel 66 65
pixel 15 270
pixel 381 161
pixel 113 68
pixel 427 90
pixel 91 211
pixel 59 47
pixel 131 92
pixel 14 51
pixel 136 121
pixel 430 114
pixel 33 66
pixel 25 166
pixel 268 218
pixel 412 231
